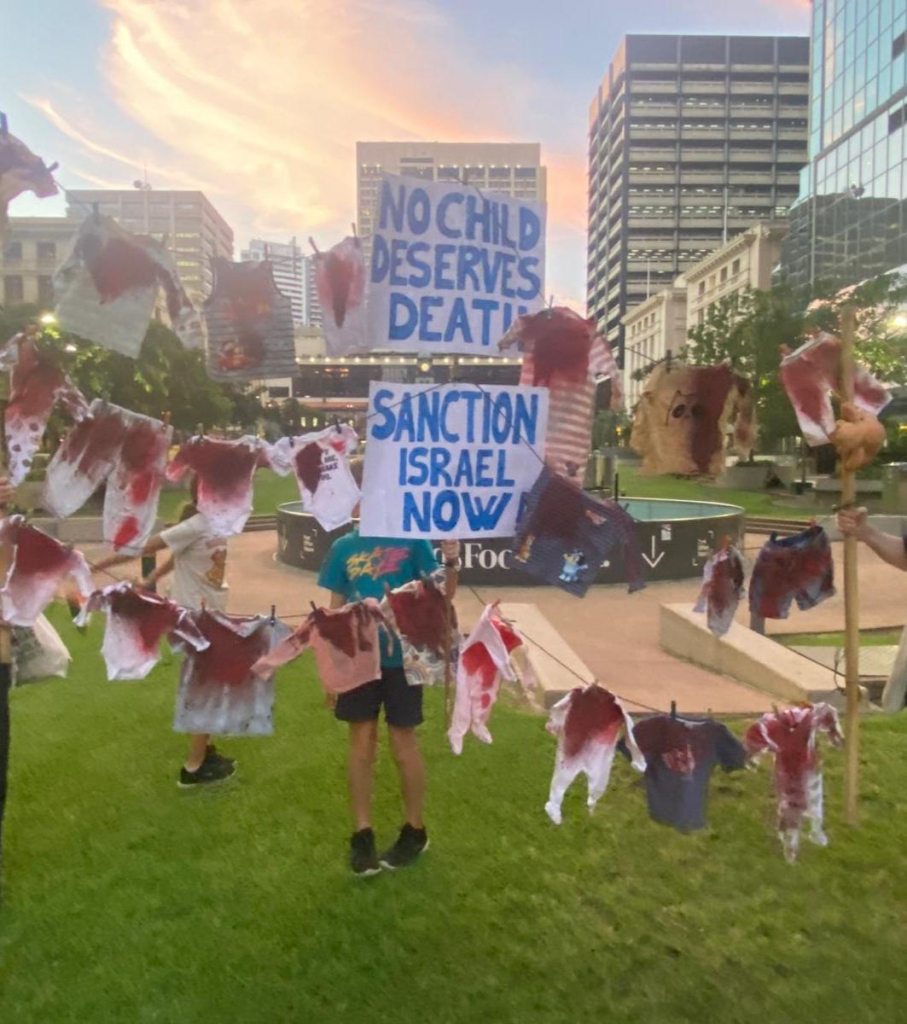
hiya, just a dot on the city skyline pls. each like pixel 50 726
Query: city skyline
pixel 261 106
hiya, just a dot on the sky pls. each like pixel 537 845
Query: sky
pixel 260 103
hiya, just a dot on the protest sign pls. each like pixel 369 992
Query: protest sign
pixel 450 462
pixel 452 267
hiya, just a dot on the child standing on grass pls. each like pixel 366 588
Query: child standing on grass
pixel 355 568
pixel 198 562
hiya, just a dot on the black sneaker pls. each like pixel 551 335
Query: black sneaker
pixel 213 754
pixel 363 855
pixel 410 843
pixel 208 772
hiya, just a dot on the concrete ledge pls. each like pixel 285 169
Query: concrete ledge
pixel 745 656
pixel 78 529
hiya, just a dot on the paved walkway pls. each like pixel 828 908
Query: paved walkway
pixel 614 633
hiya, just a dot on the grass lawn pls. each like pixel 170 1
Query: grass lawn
pixel 128 900
pixel 868 638
pixel 271 490
pixel 756 503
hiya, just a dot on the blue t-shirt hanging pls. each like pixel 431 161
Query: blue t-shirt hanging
pixel 358 567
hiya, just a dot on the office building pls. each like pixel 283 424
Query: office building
pixel 33 249
pixel 691 139
pixel 663 322
pixel 510 168
pixel 185 222
pixel 293 275
pixel 850 222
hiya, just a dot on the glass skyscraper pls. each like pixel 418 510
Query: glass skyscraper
pixel 850 222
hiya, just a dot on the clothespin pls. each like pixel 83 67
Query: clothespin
pixel 4 125
pixel 353 226
pixel 314 606
pixel 674 709
pixel 315 248
pixel 273 618
pixel 200 429
pixel 668 356
pixel 336 424
pixel 550 309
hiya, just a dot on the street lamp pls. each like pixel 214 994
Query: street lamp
pixel 899 321
pixel 47 319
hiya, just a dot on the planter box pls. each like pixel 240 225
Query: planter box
pixel 745 478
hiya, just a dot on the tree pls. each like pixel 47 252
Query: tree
pixel 165 378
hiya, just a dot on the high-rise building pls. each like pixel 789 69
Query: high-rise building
pixel 32 250
pixel 510 168
pixel 185 222
pixel 691 139
pixel 293 275
pixel 850 222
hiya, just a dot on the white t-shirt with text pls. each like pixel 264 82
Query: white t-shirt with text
pixel 200 563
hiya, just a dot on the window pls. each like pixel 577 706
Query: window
pixel 702 287
pixel 524 172
pixel 12 288
pixel 45 290
pixel 47 250
pixel 723 274
pixel 898 45
pixel 735 267
pixel 13 251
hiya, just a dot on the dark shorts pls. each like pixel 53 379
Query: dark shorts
pixel 402 702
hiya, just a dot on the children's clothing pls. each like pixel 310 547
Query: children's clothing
pixel 219 692
pixel 250 323
pixel 321 463
pixel 38 566
pixel 122 449
pixel 107 287
pixel 340 279
pixel 680 757
pixel 21 171
pixel 486 658
pixel 722 589
pixel 37 387
pixel 200 564
pixel 345 641
pixel 225 471
pixel 359 567
pixel 587 723
pixel 137 622
pixel 564 352
pixel 565 535
pixel 422 617
pixel 791 738
pixel 682 418
pixel 812 374
pixel 787 569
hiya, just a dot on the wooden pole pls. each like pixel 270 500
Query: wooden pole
pixel 851 593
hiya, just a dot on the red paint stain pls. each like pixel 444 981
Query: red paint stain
pixel 151 617
pixel 95 441
pixel 703 406
pixel 558 511
pixel 478 663
pixel 345 629
pixel 340 279
pixel 224 468
pixel 126 533
pixel 807 378
pixel 34 384
pixel 421 616
pixel 559 342
pixel 140 458
pixel 593 716
pixel 783 570
pixel 117 266
pixel 38 555
pixel 308 466
pixel 229 659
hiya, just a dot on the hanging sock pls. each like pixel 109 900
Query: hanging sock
pixel 123 449
pixel 486 659
pixel 346 642
pixel 219 693
pixel 722 589
pixel 21 171
pixel 340 280
pixel 420 614
pixel 137 621
pixel 787 569
pixel 682 418
pixel 38 566
pixel 249 322
pixel 564 352
pixel 681 755
pixel 791 738
pixel 37 387
pixel 565 536
pixel 225 472
pixel 812 374
pixel 321 463
pixel 107 287
pixel 587 723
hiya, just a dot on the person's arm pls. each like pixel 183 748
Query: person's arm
pixel 854 522
pixel 151 548
pixel 158 573
pixel 450 553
